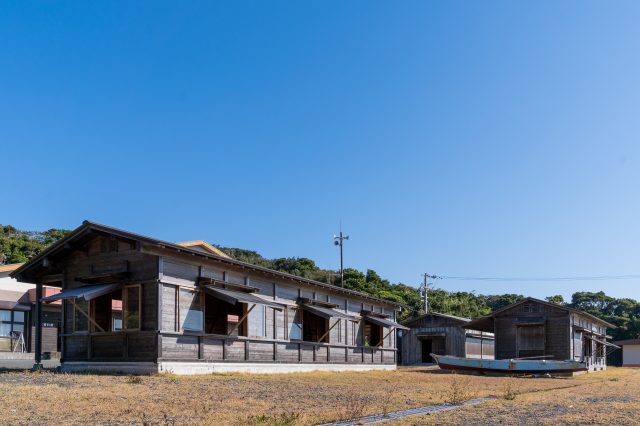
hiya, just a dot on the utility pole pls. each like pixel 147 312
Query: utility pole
pixel 338 241
pixel 424 290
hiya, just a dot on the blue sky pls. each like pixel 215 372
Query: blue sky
pixel 456 138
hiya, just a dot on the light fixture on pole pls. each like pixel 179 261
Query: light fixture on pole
pixel 338 241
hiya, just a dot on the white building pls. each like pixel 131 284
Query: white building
pixel 630 352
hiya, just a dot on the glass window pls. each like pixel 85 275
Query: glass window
pixel 294 324
pixel 257 321
pixel 5 315
pixel 18 316
pixel 116 317
pixel 18 328
pixel 5 329
pixel 80 321
pixel 132 308
pixel 191 315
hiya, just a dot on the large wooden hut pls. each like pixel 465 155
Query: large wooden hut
pixel 442 334
pixel 137 304
pixel 533 328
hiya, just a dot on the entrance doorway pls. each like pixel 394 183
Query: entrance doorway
pixel 427 349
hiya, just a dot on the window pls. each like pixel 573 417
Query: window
pixel 314 328
pixel 5 323
pixel 294 324
pixel 190 308
pixel 372 334
pixel 131 307
pixel 116 321
pixel 18 321
pixel 256 321
pixel 80 312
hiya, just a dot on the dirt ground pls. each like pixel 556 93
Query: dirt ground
pixel 310 398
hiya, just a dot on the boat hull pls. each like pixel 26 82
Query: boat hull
pixel 509 366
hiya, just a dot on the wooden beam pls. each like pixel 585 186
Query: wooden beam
pixel 385 336
pixel 87 315
pixel 244 317
pixel 329 330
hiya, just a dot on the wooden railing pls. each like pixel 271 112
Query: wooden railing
pixel 243 349
pixel 150 345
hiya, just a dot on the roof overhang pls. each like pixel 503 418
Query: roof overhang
pixel 234 297
pixel 326 312
pixel 41 264
pixel 87 292
pixel 384 322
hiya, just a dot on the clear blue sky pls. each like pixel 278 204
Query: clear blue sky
pixel 456 138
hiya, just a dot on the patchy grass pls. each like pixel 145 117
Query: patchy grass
pixel 611 398
pixel 305 398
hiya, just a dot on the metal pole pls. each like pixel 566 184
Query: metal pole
pixel 339 241
pixel 426 293
pixel 341 263
pixel 38 348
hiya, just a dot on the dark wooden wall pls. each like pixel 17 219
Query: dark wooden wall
pixel 554 327
pixel 161 272
pixel 453 343
pixel 345 339
pixel 130 345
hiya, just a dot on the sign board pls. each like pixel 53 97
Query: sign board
pixel 233 318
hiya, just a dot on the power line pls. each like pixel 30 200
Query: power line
pixel 541 279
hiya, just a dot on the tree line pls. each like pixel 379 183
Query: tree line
pixel 19 246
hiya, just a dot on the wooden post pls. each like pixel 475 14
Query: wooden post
pixel 38 349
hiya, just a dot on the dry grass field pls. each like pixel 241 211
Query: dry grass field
pixel 309 398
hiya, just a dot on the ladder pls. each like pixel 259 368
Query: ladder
pixel 19 342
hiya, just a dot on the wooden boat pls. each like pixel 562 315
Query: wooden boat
pixel 509 366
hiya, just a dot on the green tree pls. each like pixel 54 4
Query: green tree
pixel 557 299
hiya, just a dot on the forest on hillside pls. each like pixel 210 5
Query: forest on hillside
pixel 18 246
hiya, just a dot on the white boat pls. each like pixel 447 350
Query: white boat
pixel 509 366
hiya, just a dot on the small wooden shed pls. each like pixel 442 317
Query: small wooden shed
pixel 442 334
pixel 533 328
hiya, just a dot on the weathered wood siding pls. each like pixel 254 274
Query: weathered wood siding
pixel 553 331
pixel 161 274
pixel 102 255
pixel 451 343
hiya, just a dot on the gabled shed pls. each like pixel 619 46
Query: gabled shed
pixel 533 328
pixel 442 334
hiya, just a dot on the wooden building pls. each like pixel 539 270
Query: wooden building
pixel 535 328
pixel 442 334
pixel 17 328
pixel 137 304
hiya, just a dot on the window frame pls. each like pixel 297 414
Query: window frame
pixel 295 311
pixel 248 320
pixel 74 304
pixel 125 304
pixel 201 296
pixel 12 321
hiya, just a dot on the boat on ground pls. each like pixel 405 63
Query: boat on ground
pixel 509 366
